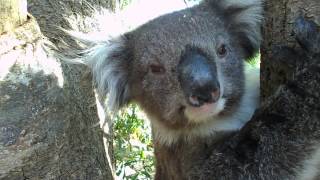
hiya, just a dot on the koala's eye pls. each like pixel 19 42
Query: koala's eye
pixel 157 69
pixel 222 50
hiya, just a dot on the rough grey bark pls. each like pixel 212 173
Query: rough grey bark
pixel 49 126
pixel 52 14
pixel 79 16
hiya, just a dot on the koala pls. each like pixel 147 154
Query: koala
pixel 188 73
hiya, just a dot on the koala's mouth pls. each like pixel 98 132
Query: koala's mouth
pixel 204 100
pixel 204 112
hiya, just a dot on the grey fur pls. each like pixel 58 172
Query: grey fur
pixel 109 71
pixel 246 22
pixel 122 69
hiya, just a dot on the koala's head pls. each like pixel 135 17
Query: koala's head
pixel 182 68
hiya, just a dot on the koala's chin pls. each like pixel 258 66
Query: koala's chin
pixel 204 113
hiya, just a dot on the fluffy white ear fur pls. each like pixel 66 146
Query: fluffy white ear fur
pixel 250 16
pixel 244 18
pixel 108 63
pixel 107 59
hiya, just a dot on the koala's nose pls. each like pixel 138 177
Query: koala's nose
pixel 198 79
pixel 204 94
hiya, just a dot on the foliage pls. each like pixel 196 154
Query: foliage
pixel 255 60
pixel 133 145
pixel 124 3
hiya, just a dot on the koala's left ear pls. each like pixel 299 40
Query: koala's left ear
pixel 244 19
pixel 109 62
pixel 110 68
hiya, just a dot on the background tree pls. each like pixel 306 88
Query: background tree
pixel 49 127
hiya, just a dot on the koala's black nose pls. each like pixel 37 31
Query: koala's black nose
pixel 200 96
pixel 198 78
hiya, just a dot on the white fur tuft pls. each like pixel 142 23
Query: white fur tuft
pixel 248 20
pixel 108 70
pixel 251 16
pixel 310 166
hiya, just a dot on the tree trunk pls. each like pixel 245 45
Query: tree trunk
pixel 49 126
pixel 78 16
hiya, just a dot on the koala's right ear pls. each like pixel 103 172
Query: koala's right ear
pixel 109 63
pixel 244 18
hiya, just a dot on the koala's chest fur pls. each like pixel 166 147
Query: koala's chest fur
pixel 173 162
pixel 176 161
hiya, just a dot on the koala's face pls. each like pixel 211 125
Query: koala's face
pixel 186 68
pixel 183 68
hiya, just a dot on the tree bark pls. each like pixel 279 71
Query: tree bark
pixel 49 125
pixel 78 16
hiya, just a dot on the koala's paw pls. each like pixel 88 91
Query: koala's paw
pixel 307 35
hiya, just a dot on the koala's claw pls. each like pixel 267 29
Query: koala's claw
pixel 307 35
